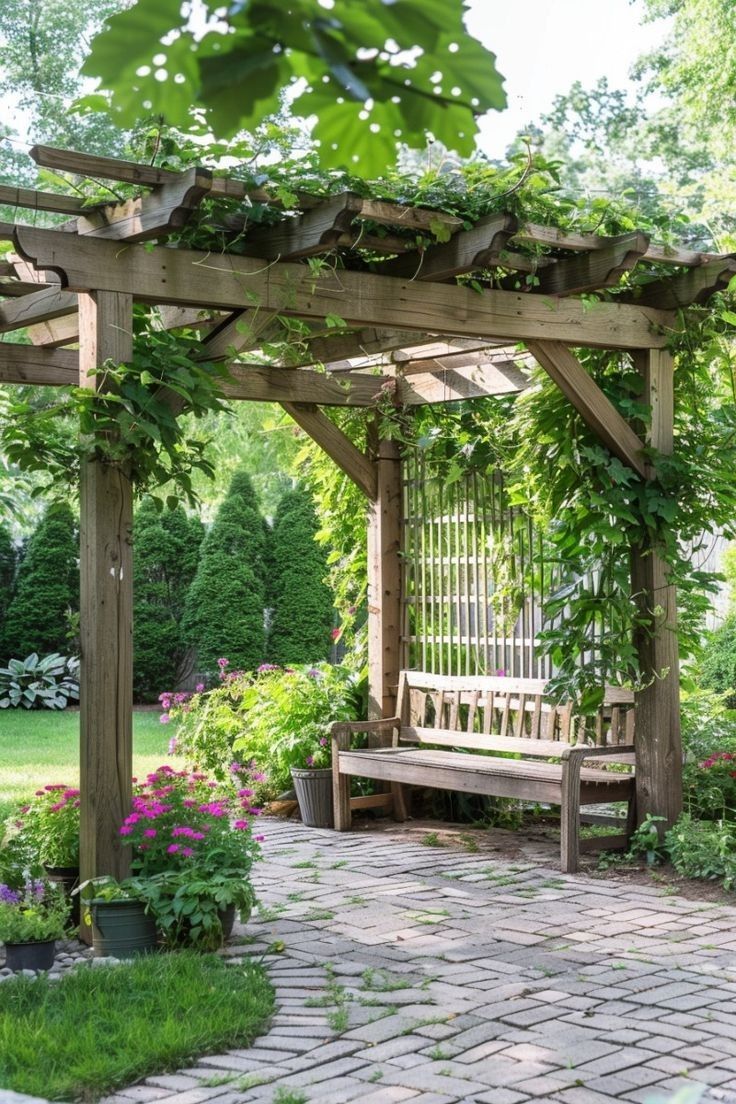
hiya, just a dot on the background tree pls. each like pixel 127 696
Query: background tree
pixel 302 603
pixel 47 588
pixel 165 553
pixel 7 572
pixel 224 610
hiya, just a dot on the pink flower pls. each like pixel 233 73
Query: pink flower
pixel 172 745
pixel 222 663
pixel 241 825
pixel 172 848
pixel 336 634
pixel 259 839
pixel 150 833
pixel 199 687
pixel 126 830
pixel 164 718
pixel 187 852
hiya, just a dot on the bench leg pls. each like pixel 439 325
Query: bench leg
pixel 570 817
pixel 631 816
pixel 341 800
pixel 340 782
pixel 398 804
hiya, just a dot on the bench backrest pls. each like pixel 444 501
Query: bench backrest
pixel 494 713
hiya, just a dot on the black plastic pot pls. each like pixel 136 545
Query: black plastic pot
pixel 121 929
pixel 30 956
pixel 314 794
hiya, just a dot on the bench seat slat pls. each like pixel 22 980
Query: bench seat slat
pixel 500 777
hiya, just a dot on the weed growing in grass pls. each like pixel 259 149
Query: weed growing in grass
pixel 320 914
pixel 376 1075
pixel 469 842
pixel 160 1010
pixel 437 1054
pixel 253 1080
pixel 382 981
pixel 339 1020
pixel 357 900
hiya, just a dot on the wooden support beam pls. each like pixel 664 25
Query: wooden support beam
pixel 658 739
pixel 451 385
pixel 165 209
pixel 465 252
pixel 384 584
pixel 40 201
pixel 106 168
pixel 588 399
pixel 338 447
pixel 46 367
pixel 39 306
pixel 450 361
pixel 188 278
pixel 264 383
pixel 599 268
pixel 316 231
pixel 695 286
pixel 106 612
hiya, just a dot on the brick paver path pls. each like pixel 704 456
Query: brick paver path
pixel 436 976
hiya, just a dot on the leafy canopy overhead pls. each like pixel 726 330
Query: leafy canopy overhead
pixel 373 72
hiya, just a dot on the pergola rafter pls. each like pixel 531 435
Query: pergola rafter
pixel 406 333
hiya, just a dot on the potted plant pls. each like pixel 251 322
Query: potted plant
pixel 33 914
pixel 49 827
pixel 290 711
pixel 193 849
pixel 118 913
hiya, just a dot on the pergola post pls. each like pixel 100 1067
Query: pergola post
pixel 106 610
pixel 658 742
pixel 384 583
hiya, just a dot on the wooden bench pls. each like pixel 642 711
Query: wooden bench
pixel 447 729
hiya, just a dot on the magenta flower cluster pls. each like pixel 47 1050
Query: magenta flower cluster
pixel 181 819
pixel 722 759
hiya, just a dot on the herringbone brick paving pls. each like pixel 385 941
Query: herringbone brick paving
pixel 434 976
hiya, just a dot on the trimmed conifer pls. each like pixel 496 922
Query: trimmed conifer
pixel 8 560
pixel 165 553
pixel 302 614
pixel 47 588
pixel 224 610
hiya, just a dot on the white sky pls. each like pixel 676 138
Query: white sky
pixel 543 46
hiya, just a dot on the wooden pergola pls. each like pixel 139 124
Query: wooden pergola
pixel 411 333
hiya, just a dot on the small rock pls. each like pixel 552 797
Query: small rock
pixel 29 973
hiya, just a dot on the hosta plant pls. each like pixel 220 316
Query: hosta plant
pixel 48 682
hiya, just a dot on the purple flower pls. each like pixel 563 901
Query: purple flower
pixel 267 667
pixel 310 760
pixel 172 745
pixel 222 663
pixel 164 718
pixel 199 687
pixel 9 896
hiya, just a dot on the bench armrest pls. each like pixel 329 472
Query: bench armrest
pixel 383 730
pixel 585 751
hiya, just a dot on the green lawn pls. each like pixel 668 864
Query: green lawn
pixel 98 1030
pixel 38 747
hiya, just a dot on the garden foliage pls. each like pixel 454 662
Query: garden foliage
pixel 718 661
pixel 50 682
pixel 165 552
pixel 302 605
pixel 47 588
pixel 225 604
pixel 7 572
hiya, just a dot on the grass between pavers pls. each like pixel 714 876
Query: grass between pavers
pixel 38 747
pixel 102 1028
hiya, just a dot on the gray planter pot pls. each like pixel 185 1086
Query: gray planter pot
pixel 314 794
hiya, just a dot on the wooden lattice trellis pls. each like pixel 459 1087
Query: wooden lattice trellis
pixel 411 333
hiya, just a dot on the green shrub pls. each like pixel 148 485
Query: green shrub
pixel 165 556
pixel 7 572
pixel 718 661
pixel 703 849
pixel 302 603
pixel 47 588
pixel 272 720
pixel 224 610
pixel 708 727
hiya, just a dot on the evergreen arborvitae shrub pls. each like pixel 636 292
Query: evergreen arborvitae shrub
pixel 718 661
pixel 47 589
pixel 223 617
pixel 165 552
pixel 302 603
pixel 7 574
